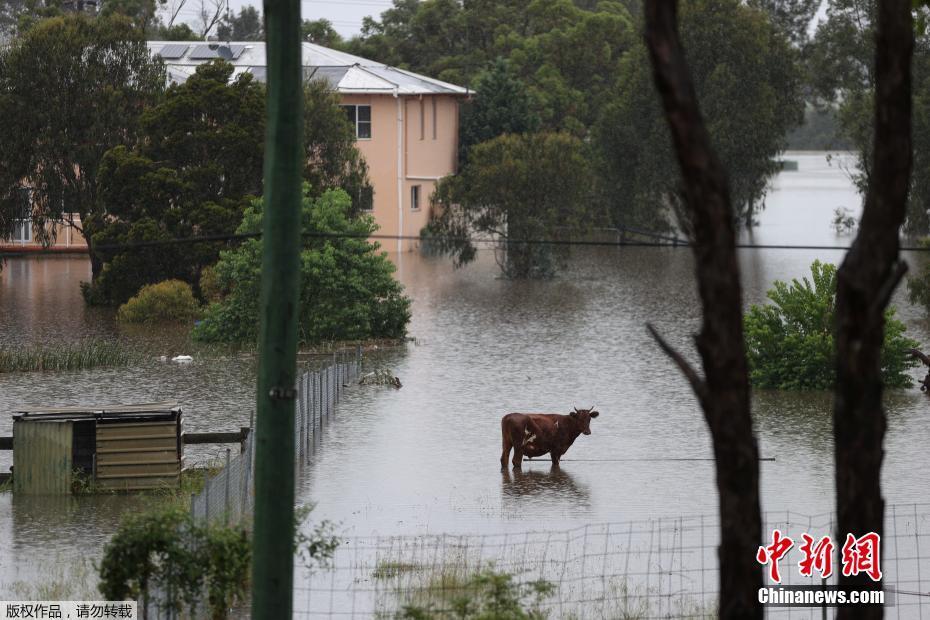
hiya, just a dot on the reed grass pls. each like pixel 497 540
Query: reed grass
pixel 69 356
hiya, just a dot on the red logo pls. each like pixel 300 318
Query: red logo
pixel 773 553
pixel 861 555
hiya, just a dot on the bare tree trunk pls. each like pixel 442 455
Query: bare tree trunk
pixel 724 390
pixel 865 282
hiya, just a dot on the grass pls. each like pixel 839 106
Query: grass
pixel 74 581
pixel 453 587
pixel 72 356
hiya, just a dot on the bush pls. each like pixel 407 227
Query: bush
pixel 168 301
pixel 790 343
pixel 168 549
pixel 347 289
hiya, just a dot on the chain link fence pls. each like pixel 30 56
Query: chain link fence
pixel 228 496
pixel 663 568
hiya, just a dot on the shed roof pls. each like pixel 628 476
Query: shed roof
pixel 344 72
pixel 96 411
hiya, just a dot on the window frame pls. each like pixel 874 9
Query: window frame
pixel 352 111
pixel 415 195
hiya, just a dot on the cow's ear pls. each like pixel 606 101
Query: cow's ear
pixel 594 414
pixel 573 413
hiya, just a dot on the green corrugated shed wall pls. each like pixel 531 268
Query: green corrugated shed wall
pixel 42 457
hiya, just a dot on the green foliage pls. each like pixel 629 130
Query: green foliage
pixel 486 595
pixel 167 548
pixel 248 25
pixel 347 288
pixel 518 188
pixel 64 125
pixel 199 167
pixel 749 89
pixel 500 105
pixel 566 55
pixel 165 302
pixel 790 343
pixel 68 356
pixel 841 65
pixel 197 170
pixel 321 32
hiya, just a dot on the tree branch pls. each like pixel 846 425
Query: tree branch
pixel 692 375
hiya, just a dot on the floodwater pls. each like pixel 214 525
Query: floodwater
pixel 425 458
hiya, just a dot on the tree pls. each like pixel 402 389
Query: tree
pixel 329 143
pixel 197 168
pixel 723 391
pixel 321 32
pixel 248 25
pixel 501 105
pixel 750 96
pixel 521 189
pixel 866 280
pixel 842 67
pixel 790 342
pixel 53 150
pixel 347 289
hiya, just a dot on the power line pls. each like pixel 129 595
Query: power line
pixel 668 242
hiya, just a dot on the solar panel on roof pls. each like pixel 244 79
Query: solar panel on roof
pixel 226 52
pixel 173 51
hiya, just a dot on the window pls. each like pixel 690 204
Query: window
pixel 22 227
pixel 415 198
pixel 22 231
pixel 366 198
pixel 433 99
pixel 360 117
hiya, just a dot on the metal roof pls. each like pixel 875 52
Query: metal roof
pixel 344 72
pixel 95 411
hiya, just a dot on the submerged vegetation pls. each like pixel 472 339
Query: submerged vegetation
pixel 790 343
pixel 79 355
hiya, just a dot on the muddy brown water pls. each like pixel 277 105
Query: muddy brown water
pixel 424 459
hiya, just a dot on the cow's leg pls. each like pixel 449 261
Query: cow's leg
pixel 555 458
pixel 506 448
pixel 517 456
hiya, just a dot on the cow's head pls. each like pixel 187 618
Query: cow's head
pixel 583 416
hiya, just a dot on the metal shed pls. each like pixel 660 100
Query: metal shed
pixel 121 447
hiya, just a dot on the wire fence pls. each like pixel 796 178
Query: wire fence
pixel 228 496
pixel 662 568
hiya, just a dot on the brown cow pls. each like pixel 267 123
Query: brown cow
pixel 535 434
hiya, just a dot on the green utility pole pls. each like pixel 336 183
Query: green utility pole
pixel 273 536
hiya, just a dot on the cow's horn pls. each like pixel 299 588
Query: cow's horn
pixel 592 408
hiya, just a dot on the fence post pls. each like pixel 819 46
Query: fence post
pixel 206 499
pixel 226 475
pixel 358 360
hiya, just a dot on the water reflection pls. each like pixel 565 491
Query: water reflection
pixel 550 486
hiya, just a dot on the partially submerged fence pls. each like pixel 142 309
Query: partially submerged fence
pixel 228 496
pixel 664 568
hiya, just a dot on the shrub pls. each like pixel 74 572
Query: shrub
pixel 347 288
pixel 168 301
pixel 186 560
pixel 790 343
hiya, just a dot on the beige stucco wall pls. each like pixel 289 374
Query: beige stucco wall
pixel 423 158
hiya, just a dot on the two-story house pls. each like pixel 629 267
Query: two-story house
pixel 406 126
